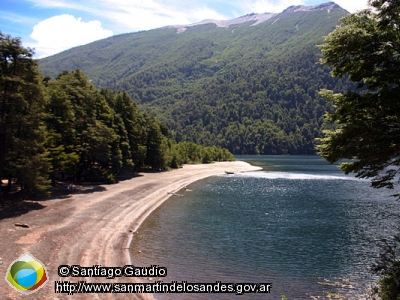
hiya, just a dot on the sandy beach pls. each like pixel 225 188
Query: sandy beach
pixel 93 227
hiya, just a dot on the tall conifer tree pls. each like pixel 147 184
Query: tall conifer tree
pixel 22 130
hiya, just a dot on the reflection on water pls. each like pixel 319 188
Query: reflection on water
pixel 299 224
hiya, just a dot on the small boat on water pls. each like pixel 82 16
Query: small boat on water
pixel 229 173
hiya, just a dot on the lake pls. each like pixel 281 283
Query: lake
pixel 299 224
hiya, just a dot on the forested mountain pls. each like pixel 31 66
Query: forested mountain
pixel 250 85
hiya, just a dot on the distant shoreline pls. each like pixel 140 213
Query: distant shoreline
pixel 95 228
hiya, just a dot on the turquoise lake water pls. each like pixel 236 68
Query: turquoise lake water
pixel 300 224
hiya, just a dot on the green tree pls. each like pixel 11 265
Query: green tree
pixel 366 48
pixel 388 267
pixel 134 123
pixel 62 136
pixel 155 157
pixel 22 131
pixel 120 149
pixel 96 142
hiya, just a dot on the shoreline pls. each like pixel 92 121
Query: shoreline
pixel 95 228
pixel 176 188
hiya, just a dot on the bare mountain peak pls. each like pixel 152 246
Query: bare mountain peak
pixel 325 6
pixel 256 19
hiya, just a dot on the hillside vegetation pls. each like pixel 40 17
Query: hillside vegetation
pixel 251 89
pixel 64 130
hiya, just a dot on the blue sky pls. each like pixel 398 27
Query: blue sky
pixel 52 26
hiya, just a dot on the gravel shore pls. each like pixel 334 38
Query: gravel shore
pixel 93 226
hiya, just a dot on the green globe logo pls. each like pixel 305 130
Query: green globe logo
pixel 26 274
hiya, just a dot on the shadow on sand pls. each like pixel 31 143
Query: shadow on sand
pixel 10 208
pixel 17 203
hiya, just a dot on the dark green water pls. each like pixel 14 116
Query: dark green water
pixel 297 224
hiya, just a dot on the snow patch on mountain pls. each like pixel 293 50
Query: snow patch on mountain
pixel 325 6
pixel 256 19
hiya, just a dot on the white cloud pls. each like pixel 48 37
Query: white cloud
pixel 150 14
pixel 143 18
pixel 204 13
pixel 352 6
pixel 62 32
pixel 266 6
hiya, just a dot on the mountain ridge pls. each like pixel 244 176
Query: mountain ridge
pixel 254 17
pixel 251 89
